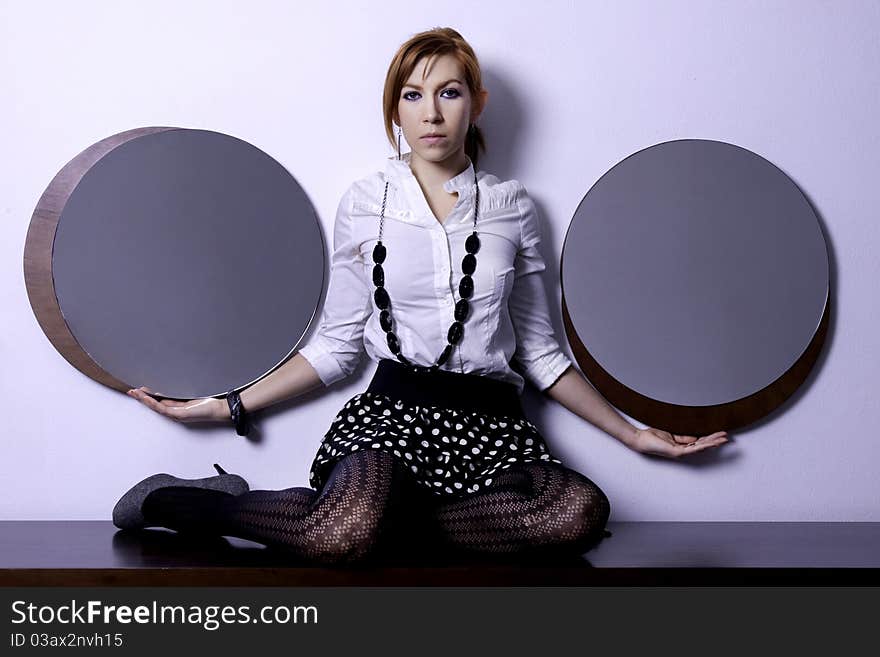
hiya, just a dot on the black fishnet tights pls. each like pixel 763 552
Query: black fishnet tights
pixel 370 501
pixel 530 508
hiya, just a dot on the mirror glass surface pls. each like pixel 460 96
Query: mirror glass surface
pixel 695 273
pixel 188 261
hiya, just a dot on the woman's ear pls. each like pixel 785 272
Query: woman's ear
pixel 482 99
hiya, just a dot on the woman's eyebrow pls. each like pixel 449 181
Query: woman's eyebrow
pixel 415 86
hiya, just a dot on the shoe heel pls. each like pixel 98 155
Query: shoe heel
pixel 220 470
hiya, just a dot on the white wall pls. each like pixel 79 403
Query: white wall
pixel 574 88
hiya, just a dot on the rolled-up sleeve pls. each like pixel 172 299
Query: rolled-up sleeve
pixel 537 351
pixel 338 346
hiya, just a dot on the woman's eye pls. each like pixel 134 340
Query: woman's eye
pixel 409 94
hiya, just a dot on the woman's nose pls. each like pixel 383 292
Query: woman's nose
pixel 432 111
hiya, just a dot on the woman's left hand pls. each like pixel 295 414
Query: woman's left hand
pixel 663 443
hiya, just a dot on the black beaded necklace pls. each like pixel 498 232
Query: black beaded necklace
pixel 465 290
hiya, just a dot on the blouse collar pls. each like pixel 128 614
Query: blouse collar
pixel 400 171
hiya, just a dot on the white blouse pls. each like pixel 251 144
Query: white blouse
pixel 509 316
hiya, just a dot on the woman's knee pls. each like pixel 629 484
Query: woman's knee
pixel 581 514
pixel 351 541
pixel 356 517
pixel 599 504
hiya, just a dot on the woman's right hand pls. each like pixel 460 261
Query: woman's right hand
pixel 204 409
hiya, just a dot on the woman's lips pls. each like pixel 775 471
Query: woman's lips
pixel 433 139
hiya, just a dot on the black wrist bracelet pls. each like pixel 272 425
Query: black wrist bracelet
pixel 239 415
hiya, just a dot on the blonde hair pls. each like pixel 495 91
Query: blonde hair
pixel 437 41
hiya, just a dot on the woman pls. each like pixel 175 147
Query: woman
pixel 437 449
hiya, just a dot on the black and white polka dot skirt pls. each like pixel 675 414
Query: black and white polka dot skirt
pixel 454 431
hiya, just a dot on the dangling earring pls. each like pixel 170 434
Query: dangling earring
pixel 398 142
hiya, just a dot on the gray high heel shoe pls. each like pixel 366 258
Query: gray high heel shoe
pixel 128 514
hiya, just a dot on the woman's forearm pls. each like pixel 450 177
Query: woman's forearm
pixel 573 391
pixel 293 378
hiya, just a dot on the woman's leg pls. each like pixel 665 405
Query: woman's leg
pixel 343 523
pixel 529 508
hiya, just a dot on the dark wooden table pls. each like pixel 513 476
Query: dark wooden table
pixel 95 553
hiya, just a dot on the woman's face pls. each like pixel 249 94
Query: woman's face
pixel 440 104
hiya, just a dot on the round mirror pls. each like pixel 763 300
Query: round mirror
pixel 695 285
pixel 187 261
